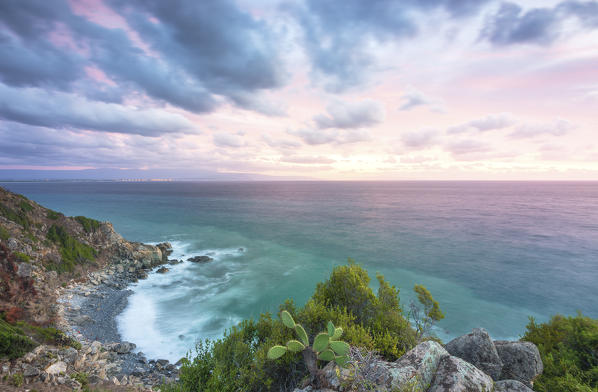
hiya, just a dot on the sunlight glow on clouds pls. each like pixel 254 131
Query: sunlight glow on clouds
pixel 349 89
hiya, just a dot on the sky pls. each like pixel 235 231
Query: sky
pixel 322 89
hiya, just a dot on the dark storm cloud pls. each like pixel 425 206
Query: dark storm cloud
pixel 336 34
pixel 512 25
pixel 202 52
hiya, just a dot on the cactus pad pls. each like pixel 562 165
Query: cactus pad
pixel 302 334
pixel 276 352
pixel 287 319
pixel 321 342
pixel 341 348
pixel 326 355
pixel 296 346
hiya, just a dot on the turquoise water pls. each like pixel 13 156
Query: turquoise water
pixel 492 253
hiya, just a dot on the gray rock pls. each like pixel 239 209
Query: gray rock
pixel 162 270
pixel 93 379
pixel 12 243
pixel 477 348
pixel 510 386
pixel 521 361
pixel 413 371
pixel 68 355
pixel 30 371
pixel 456 375
pixel 56 368
pixel 123 348
pixel 200 259
pixel 24 270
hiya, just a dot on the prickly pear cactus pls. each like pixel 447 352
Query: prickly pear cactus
pixel 326 345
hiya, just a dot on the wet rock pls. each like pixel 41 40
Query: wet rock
pixel 162 270
pixel 123 348
pixel 510 386
pixel 456 375
pixel 521 361
pixel 200 259
pixel 478 349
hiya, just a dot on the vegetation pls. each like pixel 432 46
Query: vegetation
pixel 20 256
pixel 72 251
pixel 53 215
pixel 4 234
pixel 89 225
pixel 25 206
pixel 13 341
pixel 19 217
pixel 424 319
pixel 48 335
pixel 239 361
pixel 569 350
pixel 326 347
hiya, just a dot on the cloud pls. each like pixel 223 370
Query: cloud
pixel 228 140
pixel 420 139
pixel 464 147
pixel 34 106
pixel 316 137
pixel 307 160
pixel 346 115
pixel 338 38
pixel 197 55
pixel 511 25
pixel 488 123
pixel 558 127
pixel 416 98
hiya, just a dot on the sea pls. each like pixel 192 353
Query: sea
pixel 492 253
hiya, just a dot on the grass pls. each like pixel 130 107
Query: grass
pixel 72 251
pixel 53 215
pixel 22 257
pixel 13 341
pixel 89 225
pixel 17 217
pixel 4 234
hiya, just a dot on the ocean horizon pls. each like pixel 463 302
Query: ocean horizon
pixel 493 253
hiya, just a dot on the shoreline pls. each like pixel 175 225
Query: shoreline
pixel 88 311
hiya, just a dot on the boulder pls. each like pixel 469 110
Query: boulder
pixel 478 349
pixel 510 386
pixel 521 361
pixel 123 348
pixel 24 270
pixel 56 368
pixel 456 375
pixel 30 371
pixel 69 355
pixel 200 259
pixel 162 270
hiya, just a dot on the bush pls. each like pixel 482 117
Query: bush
pixel 89 225
pixel 4 234
pixel 17 217
pixel 569 350
pixel 53 215
pixel 72 251
pixel 26 207
pixel 238 361
pixel 22 257
pixel 13 342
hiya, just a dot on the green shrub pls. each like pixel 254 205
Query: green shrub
pixel 89 225
pixel 238 361
pixel 26 207
pixel 22 257
pixel 569 350
pixel 53 215
pixel 72 251
pixel 17 217
pixel 4 234
pixel 17 380
pixel 13 342
pixel 48 335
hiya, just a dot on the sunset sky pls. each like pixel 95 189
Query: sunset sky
pixel 351 89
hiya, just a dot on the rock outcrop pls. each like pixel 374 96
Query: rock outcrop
pixel 521 361
pixel 430 367
pixel 478 349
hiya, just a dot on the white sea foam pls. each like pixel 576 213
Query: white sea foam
pixel 165 317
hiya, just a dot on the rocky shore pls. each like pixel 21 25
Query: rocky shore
pixel 87 312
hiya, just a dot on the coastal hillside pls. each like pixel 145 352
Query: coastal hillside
pixel 42 249
pixel 44 255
